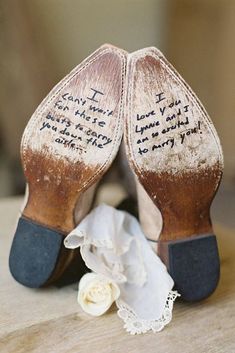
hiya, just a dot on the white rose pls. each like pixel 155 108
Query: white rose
pixel 97 293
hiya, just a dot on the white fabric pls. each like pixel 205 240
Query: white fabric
pixel 112 244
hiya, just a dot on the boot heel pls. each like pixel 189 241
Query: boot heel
pixel 34 253
pixel 194 265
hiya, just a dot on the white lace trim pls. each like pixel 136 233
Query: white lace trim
pixel 135 325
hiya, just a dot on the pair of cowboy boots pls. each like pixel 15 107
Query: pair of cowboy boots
pixel 171 145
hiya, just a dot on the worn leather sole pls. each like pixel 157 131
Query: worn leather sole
pixel 68 144
pixel 175 152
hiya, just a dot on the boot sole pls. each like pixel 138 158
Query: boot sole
pixel 68 144
pixel 176 154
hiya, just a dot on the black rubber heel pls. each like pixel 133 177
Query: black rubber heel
pixel 34 253
pixel 194 266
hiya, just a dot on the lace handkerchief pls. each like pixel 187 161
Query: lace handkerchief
pixel 113 245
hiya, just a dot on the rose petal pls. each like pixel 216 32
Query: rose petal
pixel 86 279
pixel 93 308
pixel 97 293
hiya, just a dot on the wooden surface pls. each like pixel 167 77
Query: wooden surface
pixel 50 320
